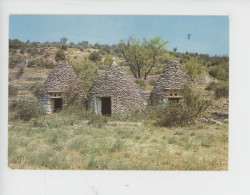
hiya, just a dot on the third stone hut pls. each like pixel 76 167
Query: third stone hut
pixel 169 85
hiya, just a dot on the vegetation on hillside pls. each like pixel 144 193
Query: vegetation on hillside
pixel 170 138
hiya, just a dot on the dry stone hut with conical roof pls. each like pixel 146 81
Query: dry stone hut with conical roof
pixel 169 84
pixel 115 93
pixel 52 94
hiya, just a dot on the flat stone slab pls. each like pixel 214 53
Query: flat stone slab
pixel 124 123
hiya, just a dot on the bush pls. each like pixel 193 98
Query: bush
pixel 184 112
pixel 32 51
pixel 86 71
pixel 193 68
pixel 219 72
pixel 25 110
pixel 60 55
pixel 34 88
pixel 64 47
pixel 13 91
pixel 141 83
pixel 222 90
pixel 40 63
pixel 211 86
pixel 95 56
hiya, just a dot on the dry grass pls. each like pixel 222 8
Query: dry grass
pixel 200 147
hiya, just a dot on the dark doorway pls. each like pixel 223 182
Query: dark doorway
pixel 58 104
pixel 106 106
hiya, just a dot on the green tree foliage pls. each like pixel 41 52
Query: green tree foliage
pixel 60 55
pixel 95 56
pixel 64 40
pixel 86 71
pixel 184 112
pixel 193 68
pixel 108 60
pixel 142 56
pixel 25 109
pixel 221 89
pixel 220 72
pixel 15 44
pixel 39 63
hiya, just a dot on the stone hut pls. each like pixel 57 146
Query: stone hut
pixel 52 94
pixel 169 85
pixel 113 92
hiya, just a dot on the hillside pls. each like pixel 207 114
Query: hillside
pixel 77 139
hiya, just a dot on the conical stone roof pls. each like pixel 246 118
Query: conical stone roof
pixel 58 79
pixel 114 81
pixel 173 77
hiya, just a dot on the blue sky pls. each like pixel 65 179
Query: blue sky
pixel 209 34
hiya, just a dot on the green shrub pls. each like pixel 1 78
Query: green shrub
pixel 60 55
pixel 193 68
pixel 222 90
pixel 219 72
pixel 185 111
pixel 141 83
pixel 95 56
pixel 32 51
pixel 211 86
pixel 13 91
pixel 25 110
pixel 86 71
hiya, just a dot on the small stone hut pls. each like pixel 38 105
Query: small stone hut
pixel 52 94
pixel 113 92
pixel 169 85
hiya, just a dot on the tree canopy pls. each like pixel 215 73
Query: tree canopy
pixel 193 68
pixel 142 56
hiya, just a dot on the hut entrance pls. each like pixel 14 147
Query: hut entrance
pixel 106 106
pixel 57 104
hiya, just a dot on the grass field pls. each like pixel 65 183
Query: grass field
pixel 118 147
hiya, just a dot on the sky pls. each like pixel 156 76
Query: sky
pixel 209 34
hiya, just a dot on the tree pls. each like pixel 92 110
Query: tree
pixel 86 71
pixel 64 40
pixel 108 60
pixel 95 56
pixel 193 68
pixel 142 56
pixel 15 44
pixel 175 49
pixel 60 55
